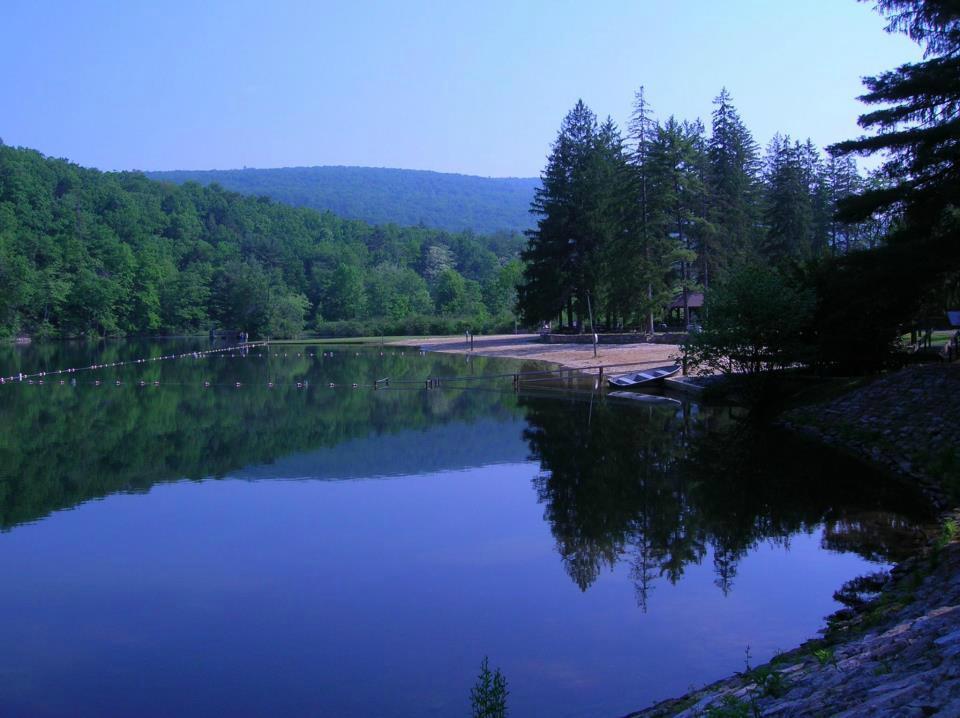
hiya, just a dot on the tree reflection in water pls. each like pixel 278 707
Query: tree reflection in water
pixel 658 486
pixel 663 485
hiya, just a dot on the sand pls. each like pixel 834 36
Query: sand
pixel 573 356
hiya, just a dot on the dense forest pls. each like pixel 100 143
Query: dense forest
pixel 378 195
pixel 634 221
pixel 804 259
pixel 625 224
pixel 84 252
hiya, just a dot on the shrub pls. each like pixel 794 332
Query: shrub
pixel 754 322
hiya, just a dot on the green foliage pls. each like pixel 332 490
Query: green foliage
pixel 734 191
pixel 795 212
pixel 868 298
pixel 825 657
pixel 754 322
pixel 375 195
pixel 947 534
pixel 90 253
pixel 488 697
pixel 769 682
pixel 633 224
pixel 578 208
pixel 730 707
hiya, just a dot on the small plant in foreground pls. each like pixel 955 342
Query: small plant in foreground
pixel 488 696
pixel 825 656
pixel 768 682
pixel 947 534
pixel 730 707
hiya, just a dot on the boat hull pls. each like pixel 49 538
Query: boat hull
pixel 641 378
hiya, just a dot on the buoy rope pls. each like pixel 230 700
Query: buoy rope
pixel 129 362
pixel 532 376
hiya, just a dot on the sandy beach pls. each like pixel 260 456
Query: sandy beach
pixel 573 356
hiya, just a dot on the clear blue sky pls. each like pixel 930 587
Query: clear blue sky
pixel 472 87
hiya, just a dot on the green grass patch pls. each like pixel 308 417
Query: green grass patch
pixel 941 337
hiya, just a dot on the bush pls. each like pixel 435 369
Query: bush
pixel 755 321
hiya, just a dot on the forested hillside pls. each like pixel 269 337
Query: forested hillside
pixel 84 252
pixel 452 202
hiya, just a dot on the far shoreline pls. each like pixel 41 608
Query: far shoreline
pixel 577 356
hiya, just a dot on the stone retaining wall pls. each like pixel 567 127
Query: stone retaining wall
pixel 629 338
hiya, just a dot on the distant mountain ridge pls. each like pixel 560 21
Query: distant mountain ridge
pixel 377 195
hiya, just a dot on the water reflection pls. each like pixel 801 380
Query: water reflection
pixel 663 486
pixel 659 486
pixel 63 445
pixel 380 597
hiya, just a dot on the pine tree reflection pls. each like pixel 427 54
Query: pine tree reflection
pixel 663 485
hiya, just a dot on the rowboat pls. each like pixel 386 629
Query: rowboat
pixel 647 376
pixel 643 398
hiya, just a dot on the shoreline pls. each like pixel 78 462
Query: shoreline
pixel 572 355
pixel 895 649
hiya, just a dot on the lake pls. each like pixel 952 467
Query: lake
pixel 275 549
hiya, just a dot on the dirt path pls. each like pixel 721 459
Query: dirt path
pixel 574 356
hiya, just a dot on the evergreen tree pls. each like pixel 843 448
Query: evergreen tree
pixel 733 189
pixel 609 220
pixel 842 180
pixel 868 298
pixel 793 207
pixel 638 285
pixel 676 206
pixel 920 127
pixel 578 213
pixel 821 211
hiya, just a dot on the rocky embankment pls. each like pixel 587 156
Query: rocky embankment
pixel 898 655
pixel 897 652
pixel 907 423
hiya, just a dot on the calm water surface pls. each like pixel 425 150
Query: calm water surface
pixel 181 550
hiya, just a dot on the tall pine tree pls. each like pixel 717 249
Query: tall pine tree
pixel 868 298
pixel 733 189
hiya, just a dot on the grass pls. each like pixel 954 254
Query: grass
pixel 937 338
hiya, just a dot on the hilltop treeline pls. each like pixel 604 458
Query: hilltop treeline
pixel 381 195
pixel 84 252
pixel 633 221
